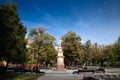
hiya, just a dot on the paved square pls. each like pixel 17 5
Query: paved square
pixel 59 75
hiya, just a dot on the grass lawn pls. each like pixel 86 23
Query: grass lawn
pixel 19 76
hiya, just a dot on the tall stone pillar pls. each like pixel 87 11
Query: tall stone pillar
pixel 60 59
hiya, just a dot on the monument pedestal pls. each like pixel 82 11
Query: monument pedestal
pixel 60 60
pixel 60 67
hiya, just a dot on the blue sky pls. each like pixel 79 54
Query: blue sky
pixel 95 20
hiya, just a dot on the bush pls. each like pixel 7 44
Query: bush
pixel 2 69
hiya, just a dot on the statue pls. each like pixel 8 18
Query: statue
pixel 60 42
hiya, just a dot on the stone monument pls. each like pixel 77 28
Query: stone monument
pixel 60 58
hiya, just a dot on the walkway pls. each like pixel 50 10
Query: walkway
pixel 59 75
pixel 67 75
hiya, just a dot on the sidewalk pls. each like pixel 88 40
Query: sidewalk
pixel 59 75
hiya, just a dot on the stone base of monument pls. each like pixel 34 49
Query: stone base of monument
pixel 60 67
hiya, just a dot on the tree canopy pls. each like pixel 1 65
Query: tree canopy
pixel 44 45
pixel 72 48
pixel 12 33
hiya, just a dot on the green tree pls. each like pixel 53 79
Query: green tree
pixel 12 33
pixel 72 48
pixel 86 48
pixel 117 48
pixel 110 52
pixel 96 55
pixel 43 44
